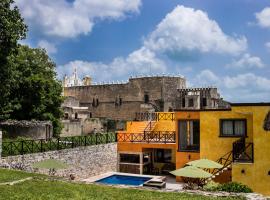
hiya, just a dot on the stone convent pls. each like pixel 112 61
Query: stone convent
pixel 121 101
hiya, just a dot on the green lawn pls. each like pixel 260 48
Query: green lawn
pixel 12 175
pixel 51 189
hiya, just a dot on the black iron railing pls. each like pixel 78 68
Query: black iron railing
pixel 150 126
pixel 243 152
pixel 145 116
pixel 11 148
pixel 148 137
pixel 168 116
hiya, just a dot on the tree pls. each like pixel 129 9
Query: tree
pixel 12 29
pixel 37 93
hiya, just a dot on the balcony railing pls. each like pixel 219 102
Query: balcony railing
pixel 243 152
pixel 148 137
pixel 158 116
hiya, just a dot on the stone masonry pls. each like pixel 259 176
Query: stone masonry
pixel 122 100
pixel 83 162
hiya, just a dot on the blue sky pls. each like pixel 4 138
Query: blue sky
pixel 210 42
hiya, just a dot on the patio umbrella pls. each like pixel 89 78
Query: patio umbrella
pixel 50 164
pixel 205 164
pixel 191 172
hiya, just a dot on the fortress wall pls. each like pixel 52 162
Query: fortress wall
pixel 131 93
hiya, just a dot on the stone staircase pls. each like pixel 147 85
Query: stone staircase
pixel 226 160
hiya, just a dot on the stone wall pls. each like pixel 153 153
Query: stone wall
pixel 203 98
pixel 32 129
pixel 83 162
pixel 71 128
pixel 92 125
pixel 122 101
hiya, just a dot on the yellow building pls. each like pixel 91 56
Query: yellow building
pixel 234 137
pixel 221 133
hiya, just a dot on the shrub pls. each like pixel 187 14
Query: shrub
pixel 211 186
pixel 234 187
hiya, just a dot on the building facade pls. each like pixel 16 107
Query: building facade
pixel 237 137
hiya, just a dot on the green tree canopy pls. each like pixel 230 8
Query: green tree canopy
pixel 12 29
pixel 36 94
pixel 28 86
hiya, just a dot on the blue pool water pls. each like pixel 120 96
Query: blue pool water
pixel 123 180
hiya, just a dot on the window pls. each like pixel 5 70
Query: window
pixel 120 101
pixel 76 115
pixel 190 103
pixel 183 102
pixel 189 135
pixel 66 116
pixel 163 155
pixel 129 158
pixel 204 102
pixel 146 98
pixel 95 102
pixel 233 127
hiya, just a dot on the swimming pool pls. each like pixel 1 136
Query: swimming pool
pixel 123 180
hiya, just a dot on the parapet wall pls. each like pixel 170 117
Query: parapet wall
pixel 32 129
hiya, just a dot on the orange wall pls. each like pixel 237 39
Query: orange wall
pixel 136 127
pixel 138 147
pixel 182 158
pixel 164 126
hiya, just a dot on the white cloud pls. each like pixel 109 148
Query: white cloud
pixel 68 20
pixel 141 61
pixel 263 18
pixel 267 45
pixel 246 61
pixel 206 78
pixel 247 87
pixel 186 29
pixel 248 81
pixel 50 47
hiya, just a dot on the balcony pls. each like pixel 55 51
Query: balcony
pixel 242 152
pixel 147 137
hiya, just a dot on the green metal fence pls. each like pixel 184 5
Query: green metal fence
pixel 22 147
